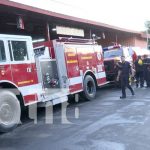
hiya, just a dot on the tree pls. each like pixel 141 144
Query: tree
pixel 147 25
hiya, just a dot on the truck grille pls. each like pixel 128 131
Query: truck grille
pixel 109 66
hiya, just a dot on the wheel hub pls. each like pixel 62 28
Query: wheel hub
pixel 90 87
pixel 6 113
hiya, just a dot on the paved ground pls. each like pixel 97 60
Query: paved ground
pixel 106 123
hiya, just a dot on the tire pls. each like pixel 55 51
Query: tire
pixel 89 88
pixel 10 111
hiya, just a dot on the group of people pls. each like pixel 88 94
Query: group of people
pixel 142 69
pixel 142 73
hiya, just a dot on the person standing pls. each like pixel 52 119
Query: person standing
pixel 146 63
pixel 124 76
pixel 134 56
pixel 148 76
pixel 139 68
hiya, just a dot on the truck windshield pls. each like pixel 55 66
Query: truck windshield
pixel 113 53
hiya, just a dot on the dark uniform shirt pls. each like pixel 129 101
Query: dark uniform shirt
pixel 146 63
pixel 125 69
pixel 138 67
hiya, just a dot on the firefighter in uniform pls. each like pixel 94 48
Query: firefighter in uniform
pixel 139 68
pixel 125 69
pixel 146 62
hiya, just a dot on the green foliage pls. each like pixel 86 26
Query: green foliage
pixel 147 25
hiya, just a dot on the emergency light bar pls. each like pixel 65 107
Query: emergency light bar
pixel 111 47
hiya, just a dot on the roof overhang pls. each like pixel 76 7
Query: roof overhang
pixel 62 16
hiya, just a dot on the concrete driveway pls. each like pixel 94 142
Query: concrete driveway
pixel 106 123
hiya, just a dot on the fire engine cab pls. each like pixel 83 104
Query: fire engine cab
pixel 112 55
pixel 31 72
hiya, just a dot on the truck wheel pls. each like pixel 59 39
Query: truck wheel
pixel 89 88
pixel 10 111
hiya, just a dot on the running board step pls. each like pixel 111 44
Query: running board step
pixel 53 102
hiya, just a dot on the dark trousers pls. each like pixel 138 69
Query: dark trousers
pixel 124 84
pixel 140 78
pixel 147 77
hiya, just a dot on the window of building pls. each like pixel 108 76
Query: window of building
pixel 2 51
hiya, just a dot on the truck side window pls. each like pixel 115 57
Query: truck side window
pixel 2 51
pixel 19 50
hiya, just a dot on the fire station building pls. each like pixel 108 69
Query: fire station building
pixel 16 18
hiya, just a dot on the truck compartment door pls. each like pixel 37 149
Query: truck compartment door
pixel 61 66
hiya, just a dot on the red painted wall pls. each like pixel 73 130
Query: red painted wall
pixel 140 42
pixel 123 39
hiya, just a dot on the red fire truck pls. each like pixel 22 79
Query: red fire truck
pixel 43 72
pixel 112 55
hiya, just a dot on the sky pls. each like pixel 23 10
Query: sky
pixel 128 14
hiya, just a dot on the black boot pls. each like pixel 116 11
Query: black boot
pixel 122 97
pixel 133 93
